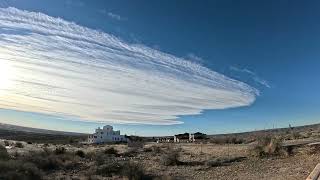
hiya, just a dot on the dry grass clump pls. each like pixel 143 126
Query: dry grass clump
pixel 171 157
pixel 267 146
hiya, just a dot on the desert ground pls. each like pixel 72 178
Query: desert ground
pixel 256 155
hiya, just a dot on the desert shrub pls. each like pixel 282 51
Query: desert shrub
pixel 60 150
pixel 227 140
pixel 19 145
pixel 99 157
pixel 235 140
pixel 136 144
pixel 91 155
pixel 154 149
pixel 14 169
pixel 134 171
pixel 296 135
pixel 109 169
pixel 50 161
pixel 29 142
pixel 3 153
pixel 6 143
pixel 80 153
pixel 148 149
pixel 131 170
pixel 222 161
pixel 131 152
pixel 16 154
pixel 111 150
pixel 267 146
pixel 45 162
pixel 170 157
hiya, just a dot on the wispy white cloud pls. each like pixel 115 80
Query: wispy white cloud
pixel 254 76
pixel 63 69
pixel 116 16
pixel 194 58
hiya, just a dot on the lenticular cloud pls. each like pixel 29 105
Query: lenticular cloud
pixel 64 69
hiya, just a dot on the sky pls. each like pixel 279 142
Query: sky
pixel 159 68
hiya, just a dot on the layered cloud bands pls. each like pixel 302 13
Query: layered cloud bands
pixel 59 68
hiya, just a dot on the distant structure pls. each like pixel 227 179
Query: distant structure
pixel 107 134
pixel 175 139
pixel 191 138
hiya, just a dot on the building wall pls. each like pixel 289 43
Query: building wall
pixel 106 135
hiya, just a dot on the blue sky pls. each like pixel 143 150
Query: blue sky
pixel 272 46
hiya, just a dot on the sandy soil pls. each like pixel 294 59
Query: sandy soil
pixel 297 166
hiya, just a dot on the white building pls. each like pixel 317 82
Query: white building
pixel 107 134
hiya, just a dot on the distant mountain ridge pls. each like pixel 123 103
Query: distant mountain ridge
pixel 10 127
